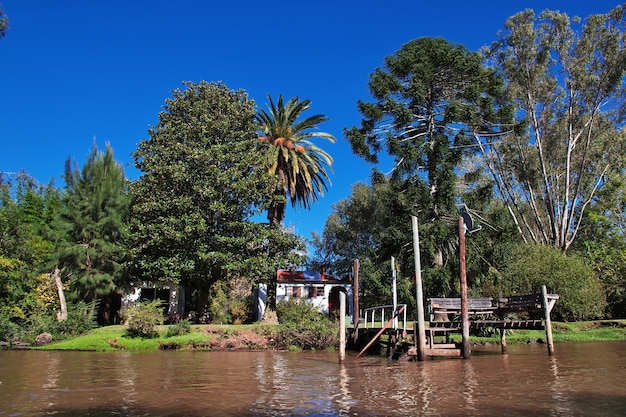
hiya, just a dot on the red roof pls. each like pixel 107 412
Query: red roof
pixel 284 276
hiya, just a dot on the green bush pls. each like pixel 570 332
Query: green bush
pixel 142 319
pixel 181 328
pixel 219 303
pixel 8 329
pixel 81 317
pixel 311 336
pixel 231 301
pixel 581 296
pixel 298 312
pixel 304 327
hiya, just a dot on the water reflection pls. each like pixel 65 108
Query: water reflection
pixel 425 390
pixel 581 380
pixel 469 384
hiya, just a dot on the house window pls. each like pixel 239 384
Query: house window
pixel 296 292
pixel 315 291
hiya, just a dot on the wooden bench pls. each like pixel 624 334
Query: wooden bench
pixel 444 315
pixel 517 303
pixel 443 309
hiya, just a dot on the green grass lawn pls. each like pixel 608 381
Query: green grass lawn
pixel 112 338
pixel 584 331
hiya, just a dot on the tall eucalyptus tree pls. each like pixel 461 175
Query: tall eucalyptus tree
pixel 566 79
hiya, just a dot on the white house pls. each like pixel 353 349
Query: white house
pixel 316 288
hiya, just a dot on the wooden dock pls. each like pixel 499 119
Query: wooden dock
pixel 444 320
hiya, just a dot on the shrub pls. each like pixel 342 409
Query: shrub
pixel 81 317
pixel 297 312
pixel 142 319
pixel 581 297
pixel 219 303
pixel 8 329
pixel 311 336
pixel 231 301
pixel 303 326
pixel 179 329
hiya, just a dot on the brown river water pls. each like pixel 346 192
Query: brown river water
pixel 582 379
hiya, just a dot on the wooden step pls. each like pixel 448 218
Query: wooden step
pixel 442 352
pixel 444 346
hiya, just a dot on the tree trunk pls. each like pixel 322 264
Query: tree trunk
pixel 61 315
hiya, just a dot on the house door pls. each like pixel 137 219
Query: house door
pixel 333 299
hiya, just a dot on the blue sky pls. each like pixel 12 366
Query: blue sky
pixel 75 70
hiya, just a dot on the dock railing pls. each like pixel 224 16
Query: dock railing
pixel 375 316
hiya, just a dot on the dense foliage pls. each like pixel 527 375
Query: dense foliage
pixel 191 214
pixel 532 266
pixel 4 23
pixel 527 138
pixel 428 95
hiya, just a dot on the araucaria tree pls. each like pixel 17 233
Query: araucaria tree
pixel 427 96
pixel 199 187
pixel 300 166
pixel 91 245
pixel 568 89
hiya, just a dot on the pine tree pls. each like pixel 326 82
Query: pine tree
pixel 92 245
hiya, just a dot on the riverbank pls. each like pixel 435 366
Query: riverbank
pixel 264 337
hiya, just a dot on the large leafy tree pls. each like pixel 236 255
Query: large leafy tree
pixel 567 83
pixel 300 166
pixel 199 188
pixel 427 96
pixel 92 247
pixel 372 225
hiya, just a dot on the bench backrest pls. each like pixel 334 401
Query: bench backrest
pixel 521 302
pixel 455 303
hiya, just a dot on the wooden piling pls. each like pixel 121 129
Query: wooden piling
pixel 355 301
pixel 421 328
pixel 547 307
pixel 342 327
pixel 464 315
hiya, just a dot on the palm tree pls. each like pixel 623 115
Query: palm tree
pixel 301 167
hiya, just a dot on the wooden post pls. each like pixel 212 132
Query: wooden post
pixel 547 307
pixel 342 326
pixel 355 301
pixel 421 329
pixel 394 290
pixel 464 316
pixel 503 339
